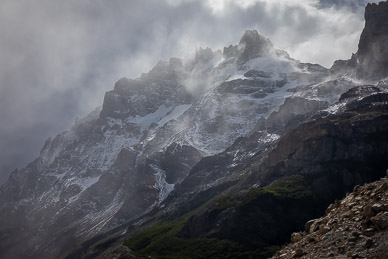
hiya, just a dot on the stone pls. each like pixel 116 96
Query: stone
pixel 381 220
pixel 352 239
pixel 295 237
pixel 308 225
pixel 330 208
pixel 368 232
pixel 298 253
pixel 377 207
pixel 368 243
pixel 356 188
pixel 368 212
pixel 341 249
pixel 323 230
pixel 315 225
pixel 327 236
pixel 347 214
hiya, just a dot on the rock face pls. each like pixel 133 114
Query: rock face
pixel 370 61
pixel 355 227
pixel 372 51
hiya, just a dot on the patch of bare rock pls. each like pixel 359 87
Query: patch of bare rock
pixel 356 227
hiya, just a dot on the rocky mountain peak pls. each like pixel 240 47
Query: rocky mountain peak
pixel 254 44
pixel 251 45
pixel 372 48
pixel 252 39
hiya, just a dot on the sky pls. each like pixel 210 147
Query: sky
pixel 58 58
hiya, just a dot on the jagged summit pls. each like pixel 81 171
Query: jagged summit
pixel 255 45
pixel 255 41
pixel 251 45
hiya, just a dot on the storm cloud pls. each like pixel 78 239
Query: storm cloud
pixel 59 57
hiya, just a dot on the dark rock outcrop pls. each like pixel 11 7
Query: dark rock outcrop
pixel 251 45
pixel 372 49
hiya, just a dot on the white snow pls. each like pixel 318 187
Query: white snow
pixel 271 64
pixel 145 121
pixel 269 137
pixel 161 184
pixel 333 109
pixel 175 113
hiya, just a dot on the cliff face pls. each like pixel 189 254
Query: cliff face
pixel 372 51
pixel 371 60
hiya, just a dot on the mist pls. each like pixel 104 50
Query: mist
pixel 58 58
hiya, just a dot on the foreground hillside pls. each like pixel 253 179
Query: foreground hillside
pixel 355 227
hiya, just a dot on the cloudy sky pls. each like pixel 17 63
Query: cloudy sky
pixel 57 58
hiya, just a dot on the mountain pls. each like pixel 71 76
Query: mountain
pixel 227 152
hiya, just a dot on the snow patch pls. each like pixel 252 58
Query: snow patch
pixel 175 113
pixel 268 137
pixel 161 184
pixel 271 64
pixel 145 121
pixel 333 109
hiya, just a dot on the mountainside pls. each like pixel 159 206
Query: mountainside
pixel 311 165
pixel 214 149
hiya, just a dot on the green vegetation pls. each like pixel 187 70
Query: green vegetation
pixel 225 202
pixel 294 187
pixel 291 188
pixel 162 241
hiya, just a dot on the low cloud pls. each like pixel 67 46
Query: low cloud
pixel 59 57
